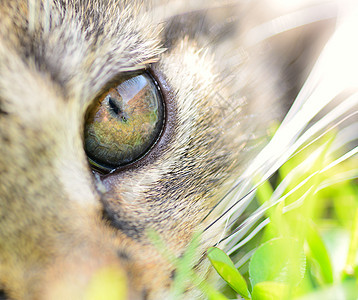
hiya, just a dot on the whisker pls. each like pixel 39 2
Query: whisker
pixel 228 210
pixel 324 11
pixel 32 8
pixel 323 134
pixel 295 146
pixel 317 92
pixel 257 229
pixel 222 199
pixel 46 15
pixel 234 245
pixel 179 8
pixel 245 258
pixel 341 159
pixel 341 177
pixel 241 230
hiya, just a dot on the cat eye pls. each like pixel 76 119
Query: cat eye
pixel 124 123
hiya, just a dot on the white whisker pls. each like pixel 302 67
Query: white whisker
pixel 46 16
pixel 32 5
pixel 248 238
pixel 344 157
pixel 290 21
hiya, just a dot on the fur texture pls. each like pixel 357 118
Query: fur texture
pixel 60 222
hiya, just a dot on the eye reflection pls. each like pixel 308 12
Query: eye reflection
pixel 124 124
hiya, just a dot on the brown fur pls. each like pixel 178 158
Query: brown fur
pixel 60 222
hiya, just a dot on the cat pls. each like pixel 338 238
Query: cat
pixel 118 118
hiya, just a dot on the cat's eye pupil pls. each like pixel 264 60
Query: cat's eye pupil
pixel 125 122
pixel 114 107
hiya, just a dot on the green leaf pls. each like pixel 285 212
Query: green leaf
pixel 210 292
pixel 184 271
pixel 344 290
pixel 264 191
pixel 344 197
pixel 353 248
pixel 280 260
pixel 107 283
pixel 319 253
pixel 227 270
pixel 270 290
pixel 184 267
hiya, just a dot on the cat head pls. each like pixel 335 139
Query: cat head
pixel 64 216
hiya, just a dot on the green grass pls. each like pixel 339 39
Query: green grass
pixel 309 248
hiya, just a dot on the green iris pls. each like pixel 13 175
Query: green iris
pixel 125 123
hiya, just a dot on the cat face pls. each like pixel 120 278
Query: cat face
pixel 63 219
